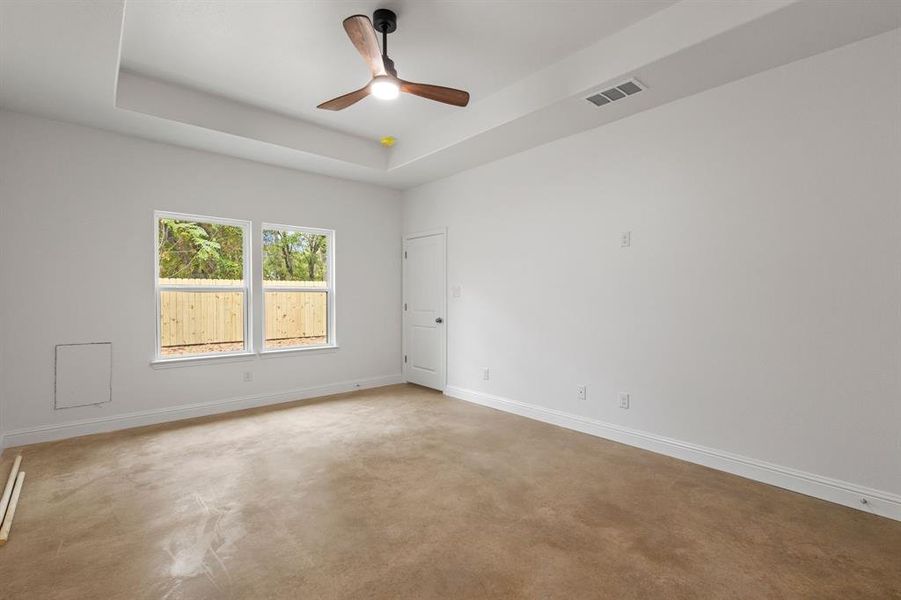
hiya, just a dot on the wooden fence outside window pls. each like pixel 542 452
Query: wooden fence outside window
pixel 194 317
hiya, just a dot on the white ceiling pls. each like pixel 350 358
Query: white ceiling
pixel 289 57
pixel 241 78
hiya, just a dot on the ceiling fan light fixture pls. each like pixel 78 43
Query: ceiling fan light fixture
pixel 384 88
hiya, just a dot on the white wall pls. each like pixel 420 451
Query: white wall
pixel 757 310
pixel 76 257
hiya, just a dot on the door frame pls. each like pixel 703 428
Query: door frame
pixel 442 231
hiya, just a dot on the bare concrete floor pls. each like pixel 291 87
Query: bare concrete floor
pixel 402 493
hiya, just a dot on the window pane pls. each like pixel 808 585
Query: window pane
pixel 295 256
pixel 201 322
pixel 193 250
pixel 296 319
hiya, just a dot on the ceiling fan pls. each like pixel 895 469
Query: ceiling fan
pixel 385 84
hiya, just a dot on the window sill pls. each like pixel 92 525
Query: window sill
pixel 187 361
pixel 290 351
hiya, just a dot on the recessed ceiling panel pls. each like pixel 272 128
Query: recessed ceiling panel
pixel 288 57
pixel 242 78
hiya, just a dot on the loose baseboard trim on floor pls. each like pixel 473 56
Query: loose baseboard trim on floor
pixel 878 502
pixel 49 433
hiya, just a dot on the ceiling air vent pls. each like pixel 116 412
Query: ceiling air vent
pixel 615 93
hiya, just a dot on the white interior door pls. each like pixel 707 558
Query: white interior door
pixel 425 302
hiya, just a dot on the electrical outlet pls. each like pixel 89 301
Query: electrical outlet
pixel 485 373
pixel 455 291
pixel 625 239
pixel 582 392
pixel 623 400
pixel 248 375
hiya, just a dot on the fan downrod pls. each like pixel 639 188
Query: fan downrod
pixel 385 21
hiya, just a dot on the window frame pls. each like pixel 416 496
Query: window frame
pixel 247 287
pixel 329 289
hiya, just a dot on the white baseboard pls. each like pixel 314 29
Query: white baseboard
pixel 49 433
pixel 878 502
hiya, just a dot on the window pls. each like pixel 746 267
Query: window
pixel 298 287
pixel 202 286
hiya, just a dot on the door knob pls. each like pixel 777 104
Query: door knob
pixel 439 320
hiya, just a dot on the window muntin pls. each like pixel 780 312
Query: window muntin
pixel 202 286
pixel 298 287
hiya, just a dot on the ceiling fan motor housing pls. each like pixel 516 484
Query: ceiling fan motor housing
pixel 389 66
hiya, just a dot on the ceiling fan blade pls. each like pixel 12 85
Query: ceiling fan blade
pixel 362 35
pixel 342 102
pixel 436 92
